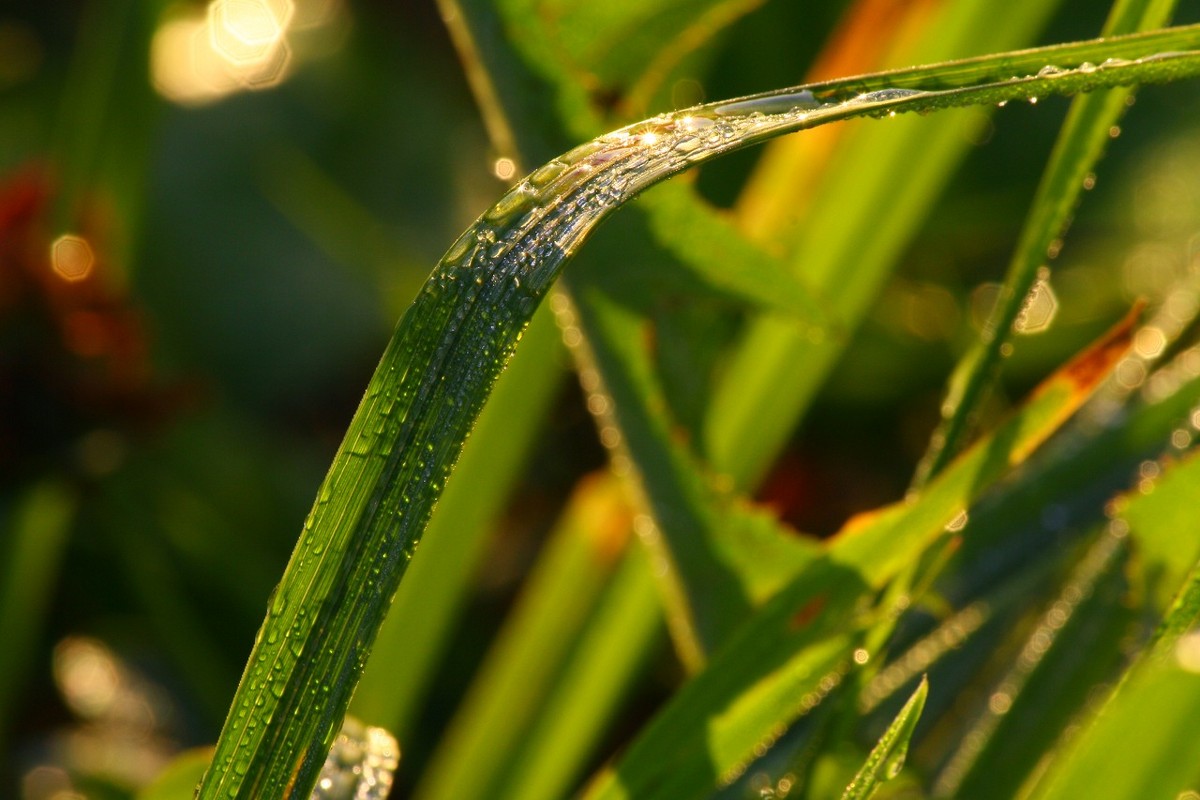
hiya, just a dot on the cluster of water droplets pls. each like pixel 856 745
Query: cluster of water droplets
pixel 361 764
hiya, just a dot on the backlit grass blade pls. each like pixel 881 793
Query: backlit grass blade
pixel 697 536
pixel 861 193
pixel 625 625
pixel 452 343
pixel 887 757
pixel 1074 645
pixel 556 601
pixel 797 647
pixel 1080 144
pixel 435 588
pixel 1142 741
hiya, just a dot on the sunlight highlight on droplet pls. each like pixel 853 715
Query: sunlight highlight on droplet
pixel 1039 309
pixel 71 257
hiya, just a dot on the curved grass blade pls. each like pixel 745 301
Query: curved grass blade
pixel 1080 144
pixel 861 192
pixel 452 343
pixel 412 640
pixel 887 757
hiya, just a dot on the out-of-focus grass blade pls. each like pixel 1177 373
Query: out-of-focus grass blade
pixel 452 343
pixel 36 527
pixel 795 649
pixel 179 779
pixel 1142 742
pixel 708 243
pixel 582 48
pixel 432 595
pixel 873 191
pixel 627 620
pixel 1080 144
pixel 152 576
pixel 887 757
pixel 1162 524
pixel 709 586
pixel 557 600
pixel 1074 646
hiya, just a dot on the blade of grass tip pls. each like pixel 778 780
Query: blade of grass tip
pixel 436 588
pixel 1080 144
pixel 887 757
pixel 554 606
pixel 460 332
pixel 860 204
pixel 36 531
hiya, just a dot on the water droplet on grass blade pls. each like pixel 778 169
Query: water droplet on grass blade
pixel 1039 309
pixel 803 100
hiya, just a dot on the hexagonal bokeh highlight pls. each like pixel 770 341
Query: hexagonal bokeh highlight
pixel 71 257
pixel 1041 306
pixel 248 31
pixel 269 72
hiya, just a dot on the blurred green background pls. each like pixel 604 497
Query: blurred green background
pixel 241 239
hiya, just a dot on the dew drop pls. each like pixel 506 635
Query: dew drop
pixel 1039 309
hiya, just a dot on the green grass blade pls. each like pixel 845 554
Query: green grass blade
pixel 872 192
pixel 1156 521
pixel 1073 646
pixel 797 646
pixel 1080 144
pixel 701 537
pixel 721 258
pixel 460 332
pixel 435 588
pixel 627 621
pixel 555 605
pixel 1150 718
pixel 36 529
pixel 178 779
pixel 887 757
